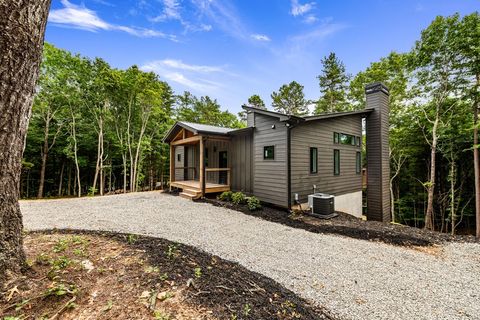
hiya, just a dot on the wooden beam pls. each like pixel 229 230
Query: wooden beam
pixel 172 165
pixel 202 167
pixel 186 140
pixel 181 133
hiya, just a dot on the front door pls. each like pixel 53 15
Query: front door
pixel 222 163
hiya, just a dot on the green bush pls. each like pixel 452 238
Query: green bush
pixel 238 198
pixel 253 203
pixel 226 196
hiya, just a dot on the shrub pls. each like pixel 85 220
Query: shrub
pixel 225 196
pixel 253 203
pixel 238 197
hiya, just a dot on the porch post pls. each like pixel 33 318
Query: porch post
pixel 172 165
pixel 202 166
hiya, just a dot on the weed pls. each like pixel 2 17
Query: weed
pixel 78 240
pixel 159 315
pixel 108 306
pixel 151 269
pixel 163 277
pixel 60 263
pixel 165 296
pixel 246 309
pixel 79 252
pixel 172 251
pixel 60 289
pixel 132 238
pixel 238 198
pixel 253 203
pixel 61 245
pixel 42 259
pixel 198 272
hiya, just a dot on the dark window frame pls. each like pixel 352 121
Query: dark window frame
pixel 359 141
pixel 313 160
pixel 336 162
pixel 179 157
pixel 336 138
pixel 358 162
pixel 265 150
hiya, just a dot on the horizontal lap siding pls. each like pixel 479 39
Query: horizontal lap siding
pixel 270 176
pixel 319 134
pixel 242 162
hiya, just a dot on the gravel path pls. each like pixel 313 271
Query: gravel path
pixel 353 279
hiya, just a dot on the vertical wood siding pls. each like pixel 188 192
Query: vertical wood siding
pixel 242 162
pixel 319 134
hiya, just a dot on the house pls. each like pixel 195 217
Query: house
pixel 281 158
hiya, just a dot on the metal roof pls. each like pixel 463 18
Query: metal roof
pixel 196 128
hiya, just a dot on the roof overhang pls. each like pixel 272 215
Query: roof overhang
pixel 290 118
pixel 363 112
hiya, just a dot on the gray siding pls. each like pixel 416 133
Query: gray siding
pixel 250 119
pixel 378 172
pixel 319 134
pixel 242 162
pixel 179 174
pixel 270 176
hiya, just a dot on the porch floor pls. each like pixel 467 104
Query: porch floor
pixel 195 185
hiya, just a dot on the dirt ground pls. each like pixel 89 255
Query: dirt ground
pixel 99 275
pixel 350 226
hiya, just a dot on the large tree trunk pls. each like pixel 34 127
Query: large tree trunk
pixel 431 187
pixel 476 165
pixel 22 28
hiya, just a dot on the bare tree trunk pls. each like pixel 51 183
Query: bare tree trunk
pixel 69 183
pixel 429 224
pixel 124 160
pixel 75 153
pixel 98 167
pixel 60 183
pixel 453 174
pixel 476 160
pixel 44 155
pixel 22 28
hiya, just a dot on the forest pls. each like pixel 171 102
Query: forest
pixel 95 129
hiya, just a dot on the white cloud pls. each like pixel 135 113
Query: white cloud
pixel 310 19
pixel 80 17
pixel 171 10
pixel 187 75
pixel 260 37
pixel 301 9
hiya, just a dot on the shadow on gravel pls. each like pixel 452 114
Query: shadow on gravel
pixel 349 226
pixel 226 288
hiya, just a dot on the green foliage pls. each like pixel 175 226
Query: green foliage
pixel 290 99
pixel 198 272
pixel 132 238
pixel 256 102
pixel 172 251
pixel 253 203
pixel 238 198
pixel 225 196
pixel 333 83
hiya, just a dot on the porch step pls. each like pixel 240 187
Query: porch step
pixel 190 194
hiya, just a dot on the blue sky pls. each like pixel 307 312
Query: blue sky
pixel 230 49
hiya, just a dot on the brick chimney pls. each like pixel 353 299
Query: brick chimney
pixel 378 159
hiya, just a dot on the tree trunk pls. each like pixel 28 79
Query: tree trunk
pixel 60 183
pixel 22 28
pixel 476 164
pixel 44 155
pixel 98 166
pixel 75 153
pixel 431 187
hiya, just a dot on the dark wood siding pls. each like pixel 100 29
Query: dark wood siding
pixel 319 134
pixel 242 162
pixel 378 196
pixel 270 176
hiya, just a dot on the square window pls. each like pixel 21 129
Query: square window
pixel 313 160
pixel 269 152
pixel 336 162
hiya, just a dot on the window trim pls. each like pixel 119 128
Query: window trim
pixel 265 154
pixel 358 162
pixel 336 138
pixel 179 157
pixel 336 168
pixel 313 165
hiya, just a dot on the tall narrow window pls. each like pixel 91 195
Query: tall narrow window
pixel 269 152
pixel 336 137
pixel 336 162
pixel 359 162
pixel 313 160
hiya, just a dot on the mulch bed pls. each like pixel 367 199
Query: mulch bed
pixel 202 286
pixel 350 226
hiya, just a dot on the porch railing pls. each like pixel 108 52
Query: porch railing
pixel 218 170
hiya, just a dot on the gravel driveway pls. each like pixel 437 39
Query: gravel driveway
pixel 353 279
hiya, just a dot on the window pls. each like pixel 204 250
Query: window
pixel 313 160
pixel 179 157
pixel 336 162
pixel 359 162
pixel 206 157
pixel 359 141
pixel 268 152
pixel 347 139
